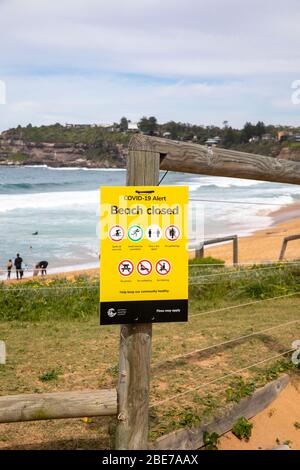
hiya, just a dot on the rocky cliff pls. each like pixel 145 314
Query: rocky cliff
pixel 290 153
pixel 21 152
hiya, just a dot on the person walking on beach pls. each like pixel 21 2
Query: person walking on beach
pixel 18 265
pixel 9 268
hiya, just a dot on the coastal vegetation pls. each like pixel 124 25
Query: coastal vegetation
pixel 101 141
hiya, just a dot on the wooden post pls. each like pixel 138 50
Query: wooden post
pixel 199 252
pixel 135 340
pixel 235 250
pixel 284 244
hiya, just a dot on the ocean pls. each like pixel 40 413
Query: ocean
pixel 62 205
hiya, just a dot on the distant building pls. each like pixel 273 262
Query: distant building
pixel 267 137
pixel 283 136
pixel 77 126
pixel 133 127
pixel 107 127
pixel 167 135
pixel 212 142
pixel 295 138
pixel 255 138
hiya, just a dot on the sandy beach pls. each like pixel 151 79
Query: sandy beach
pixel 264 245
pixel 275 425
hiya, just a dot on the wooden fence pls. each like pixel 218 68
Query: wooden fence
pixel 284 244
pixel 147 155
pixel 199 252
pixel 57 405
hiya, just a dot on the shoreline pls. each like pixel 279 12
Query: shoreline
pixel 262 246
pixel 86 165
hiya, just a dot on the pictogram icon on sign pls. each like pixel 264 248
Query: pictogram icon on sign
pixel 154 233
pixel 172 233
pixel 116 233
pixel 125 267
pixel 144 267
pixel 135 233
pixel 163 267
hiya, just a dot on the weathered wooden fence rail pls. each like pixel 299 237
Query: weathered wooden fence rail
pixel 194 158
pixel 284 244
pixel 199 252
pixel 58 405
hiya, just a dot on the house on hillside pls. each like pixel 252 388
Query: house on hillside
pixel 283 136
pixel 211 142
pixel 267 137
pixel 107 127
pixel 167 135
pixel 133 127
pixel 77 126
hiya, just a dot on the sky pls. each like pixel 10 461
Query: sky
pixel 197 61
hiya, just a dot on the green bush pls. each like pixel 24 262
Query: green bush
pixel 209 260
pixel 242 429
pixel 49 375
pixel 210 440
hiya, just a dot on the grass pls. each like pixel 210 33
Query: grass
pixel 210 440
pixel 49 375
pixel 18 157
pixel 294 145
pixel 54 333
pixel 242 428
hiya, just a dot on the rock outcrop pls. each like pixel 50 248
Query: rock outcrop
pixel 20 152
pixel 288 153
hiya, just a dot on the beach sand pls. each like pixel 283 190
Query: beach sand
pixel 277 424
pixel 265 245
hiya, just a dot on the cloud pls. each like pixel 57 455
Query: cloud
pixel 144 57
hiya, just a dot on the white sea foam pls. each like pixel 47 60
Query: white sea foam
pixel 51 200
pixel 219 182
pixel 34 166
pixel 78 168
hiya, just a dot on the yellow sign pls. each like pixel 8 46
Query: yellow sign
pixel 143 254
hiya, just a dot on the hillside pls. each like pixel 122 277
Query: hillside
pixel 60 146
pixel 98 147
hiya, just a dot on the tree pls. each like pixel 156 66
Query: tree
pixel 248 131
pixel 123 124
pixel 260 129
pixel 231 137
pixel 148 125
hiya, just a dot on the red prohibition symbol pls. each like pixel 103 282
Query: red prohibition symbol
pixel 172 233
pixel 116 233
pixel 144 267
pixel 163 267
pixel 125 267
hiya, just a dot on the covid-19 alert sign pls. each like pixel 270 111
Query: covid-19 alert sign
pixel 143 254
